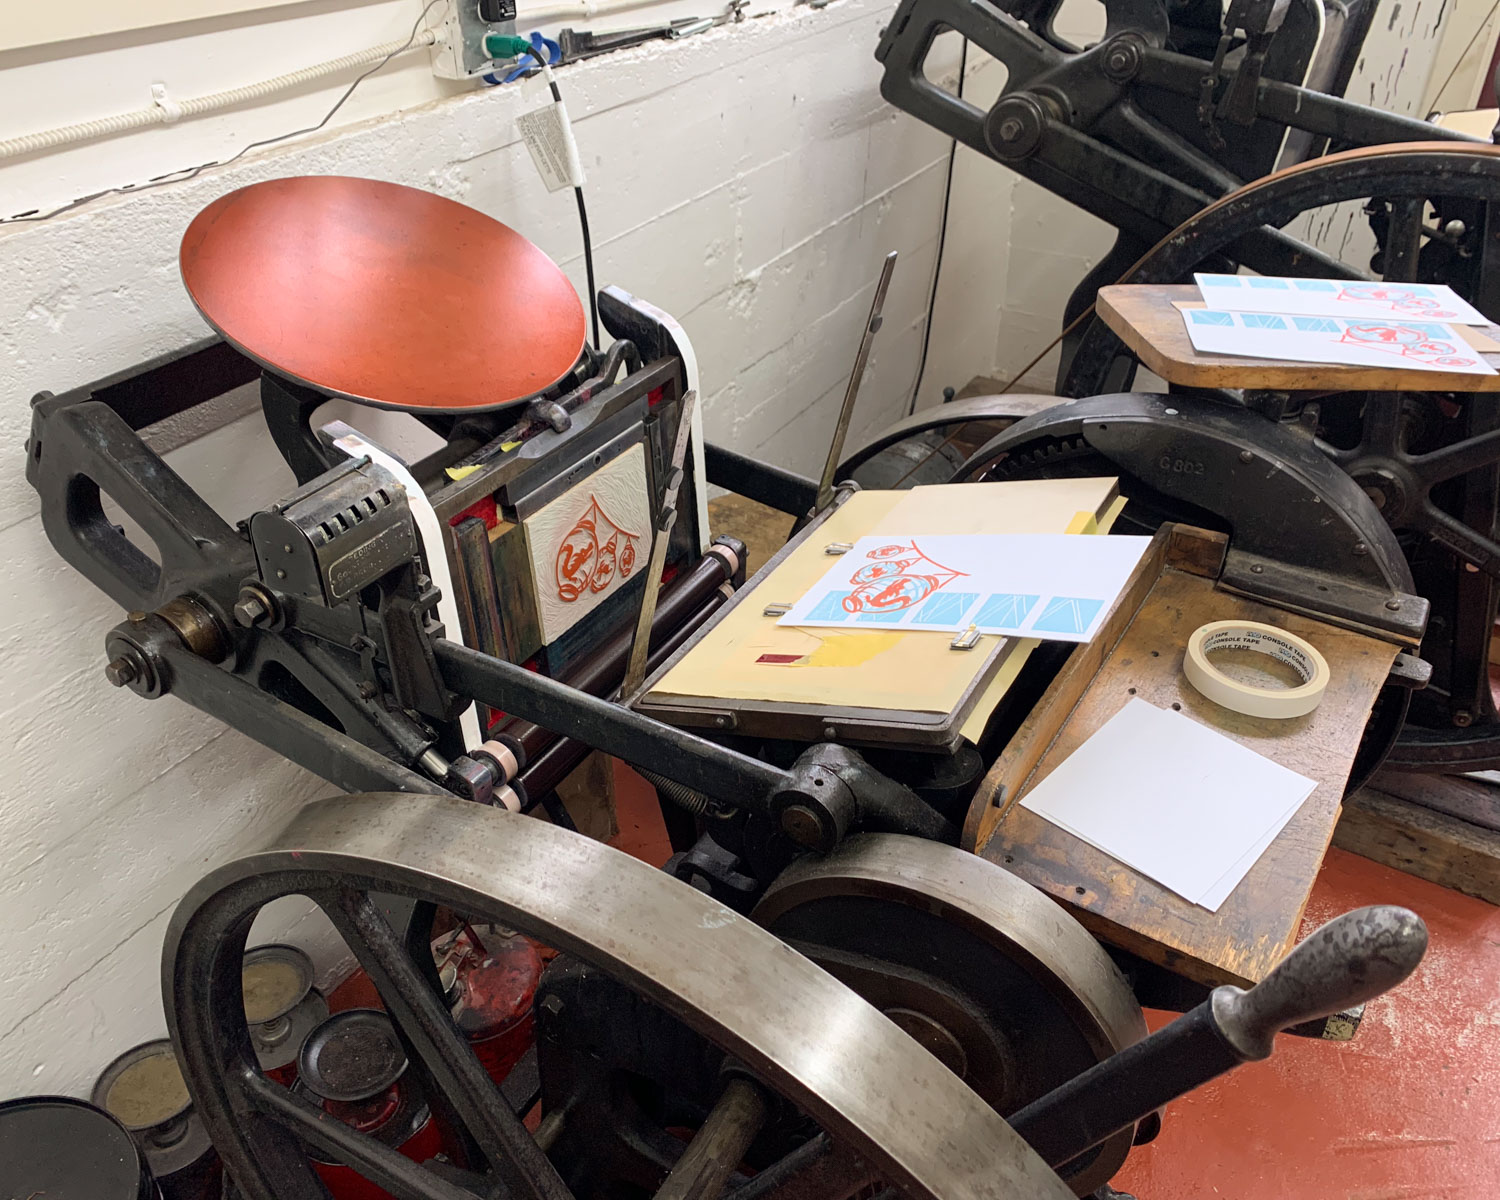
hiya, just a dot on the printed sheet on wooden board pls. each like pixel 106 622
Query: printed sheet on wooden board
pixel 589 542
pixel 1356 299
pixel 748 656
pixel 1411 344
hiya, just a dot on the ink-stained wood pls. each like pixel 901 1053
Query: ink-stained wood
pixel 1144 317
pixel 1419 841
pixel 1140 653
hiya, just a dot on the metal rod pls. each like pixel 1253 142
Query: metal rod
pixel 851 393
pixel 680 608
pixel 553 758
pixel 772 486
pixel 719 1145
pixel 726 775
pixel 635 667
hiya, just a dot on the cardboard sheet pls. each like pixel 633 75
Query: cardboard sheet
pixel 1355 299
pixel 1418 345
pixel 1176 800
pixel 1051 586
pixel 748 656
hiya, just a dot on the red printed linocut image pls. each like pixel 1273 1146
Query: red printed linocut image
pixel 592 553
pixel 1408 342
pixel 1407 301
pixel 899 576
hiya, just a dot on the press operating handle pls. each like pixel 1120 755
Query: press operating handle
pixel 1352 959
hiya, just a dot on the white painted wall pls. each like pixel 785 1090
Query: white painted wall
pixel 748 180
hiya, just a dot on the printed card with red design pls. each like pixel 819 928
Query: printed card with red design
pixel 1053 586
pixel 1419 345
pixel 1356 299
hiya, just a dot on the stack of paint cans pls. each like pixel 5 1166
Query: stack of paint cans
pixel 281 1007
pixel 144 1091
pixel 56 1146
pixel 354 1067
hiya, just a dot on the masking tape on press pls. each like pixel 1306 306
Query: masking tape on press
pixel 1302 657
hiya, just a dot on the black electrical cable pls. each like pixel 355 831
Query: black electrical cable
pixel 583 215
pixel 184 174
pixel 937 267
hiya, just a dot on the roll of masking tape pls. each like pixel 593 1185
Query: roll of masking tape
pixel 1302 657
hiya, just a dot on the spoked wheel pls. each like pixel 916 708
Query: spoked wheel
pixel 795 1048
pixel 990 975
pixel 1429 461
pixel 1457 179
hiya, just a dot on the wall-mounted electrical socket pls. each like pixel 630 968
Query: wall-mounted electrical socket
pixel 459 51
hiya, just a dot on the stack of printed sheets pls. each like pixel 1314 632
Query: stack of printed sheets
pixel 1421 326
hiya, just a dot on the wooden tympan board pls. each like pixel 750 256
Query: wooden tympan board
pixel 745 657
pixel 1144 317
pixel 1139 653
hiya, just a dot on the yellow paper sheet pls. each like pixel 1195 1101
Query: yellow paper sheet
pixel 744 656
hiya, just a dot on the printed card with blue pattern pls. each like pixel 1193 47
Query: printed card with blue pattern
pixel 1058 587
pixel 1291 337
pixel 1357 299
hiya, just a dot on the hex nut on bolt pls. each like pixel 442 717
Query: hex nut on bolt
pixel 121 671
pixel 1123 58
pixel 250 610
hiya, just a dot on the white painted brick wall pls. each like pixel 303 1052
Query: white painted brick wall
pixel 749 181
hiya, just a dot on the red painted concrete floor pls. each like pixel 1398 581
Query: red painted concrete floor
pixel 1409 1110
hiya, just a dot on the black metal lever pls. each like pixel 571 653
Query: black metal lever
pixel 1352 959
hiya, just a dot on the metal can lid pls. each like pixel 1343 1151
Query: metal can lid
pixel 353 1055
pixel 144 1087
pixel 275 979
pixel 59 1146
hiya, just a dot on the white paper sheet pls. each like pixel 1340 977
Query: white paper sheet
pixel 1421 345
pixel 1355 299
pixel 1057 587
pixel 1176 800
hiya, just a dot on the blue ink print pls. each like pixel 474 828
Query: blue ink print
pixel 1316 325
pixel 1204 316
pixel 830 608
pixel 1005 610
pixel 946 608
pixel 1262 321
pixel 1274 285
pixel 1067 614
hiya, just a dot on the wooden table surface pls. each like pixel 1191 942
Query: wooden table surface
pixel 1144 317
pixel 1139 653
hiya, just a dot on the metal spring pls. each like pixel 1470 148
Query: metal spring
pixel 678 793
